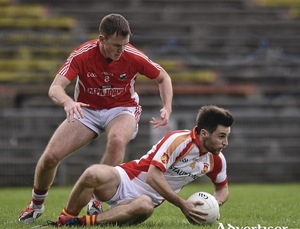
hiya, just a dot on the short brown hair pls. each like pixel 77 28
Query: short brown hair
pixel 114 24
pixel 209 117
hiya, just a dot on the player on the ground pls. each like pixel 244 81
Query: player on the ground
pixel 134 189
pixel 105 100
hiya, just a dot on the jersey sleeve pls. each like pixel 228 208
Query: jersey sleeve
pixel 170 149
pixel 149 69
pixel 70 69
pixel 144 65
pixel 218 175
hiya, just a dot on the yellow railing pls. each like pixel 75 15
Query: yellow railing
pixel 58 22
pixel 23 11
pixel 278 2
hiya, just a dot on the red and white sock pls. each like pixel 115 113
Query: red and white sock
pixel 38 196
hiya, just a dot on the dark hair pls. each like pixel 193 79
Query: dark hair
pixel 114 24
pixel 209 117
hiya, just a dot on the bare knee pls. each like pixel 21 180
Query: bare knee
pixel 116 142
pixel 49 161
pixel 143 206
pixel 89 176
pixel 115 150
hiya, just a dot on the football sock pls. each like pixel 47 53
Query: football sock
pixel 89 220
pixel 67 213
pixel 38 197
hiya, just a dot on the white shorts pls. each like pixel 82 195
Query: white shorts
pixel 98 119
pixel 126 190
pixel 130 189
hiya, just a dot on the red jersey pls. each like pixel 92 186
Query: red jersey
pixel 106 85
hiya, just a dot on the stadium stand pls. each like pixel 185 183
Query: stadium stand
pixel 226 38
pixel 33 42
pixel 242 55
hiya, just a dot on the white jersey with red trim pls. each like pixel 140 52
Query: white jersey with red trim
pixel 178 155
pixel 106 84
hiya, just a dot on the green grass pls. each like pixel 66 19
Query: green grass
pixel 272 206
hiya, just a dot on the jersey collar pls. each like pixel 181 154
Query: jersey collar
pixel 196 140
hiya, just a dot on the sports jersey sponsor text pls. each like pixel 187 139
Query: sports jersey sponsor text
pixel 183 173
pixel 112 92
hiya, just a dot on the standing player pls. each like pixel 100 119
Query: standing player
pixel 135 188
pixel 104 101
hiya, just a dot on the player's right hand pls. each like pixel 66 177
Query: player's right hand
pixel 193 215
pixel 72 108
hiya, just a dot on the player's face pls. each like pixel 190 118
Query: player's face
pixel 114 46
pixel 215 141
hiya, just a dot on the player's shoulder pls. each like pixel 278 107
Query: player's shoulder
pixel 178 133
pixel 134 52
pixel 88 45
pixel 130 46
pixel 178 137
pixel 85 50
pixel 219 158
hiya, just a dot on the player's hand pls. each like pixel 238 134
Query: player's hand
pixel 72 108
pixel 164 119
pixel 194 215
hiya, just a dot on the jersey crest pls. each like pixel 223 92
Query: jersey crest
pixel 164 158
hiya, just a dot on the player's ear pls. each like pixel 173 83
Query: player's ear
pixel 102 38
pixel 203 132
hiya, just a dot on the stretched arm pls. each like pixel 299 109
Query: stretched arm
pixel 158 182
pixel 166 93
pixel 57 90
pixel 59 96
pixel 221 194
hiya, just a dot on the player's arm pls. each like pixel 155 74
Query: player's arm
pixel 59 96
pixel 166 93
pixel 158 182
pixel 221 193
pixel 57 90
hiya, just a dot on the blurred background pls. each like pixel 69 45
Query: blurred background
pixel 243 55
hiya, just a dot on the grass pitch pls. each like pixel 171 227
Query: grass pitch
pixel 250 206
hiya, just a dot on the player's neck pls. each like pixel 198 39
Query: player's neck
pixel 108 59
